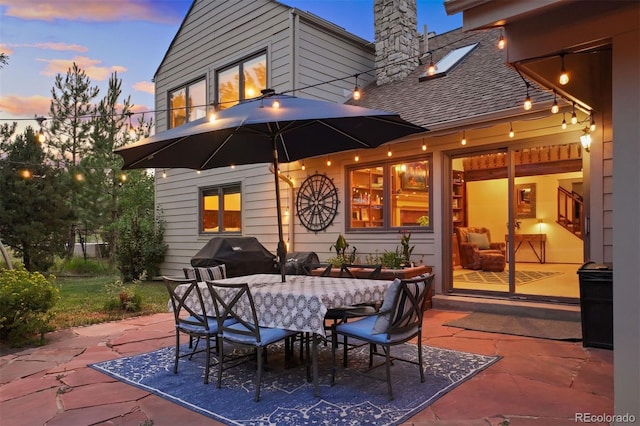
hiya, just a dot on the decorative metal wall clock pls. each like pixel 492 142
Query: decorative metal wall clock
pixel 317 202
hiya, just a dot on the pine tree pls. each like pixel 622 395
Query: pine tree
pixel 34 217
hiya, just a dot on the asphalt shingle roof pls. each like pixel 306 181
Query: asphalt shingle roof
pixel 480 83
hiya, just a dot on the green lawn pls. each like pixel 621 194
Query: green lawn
pixel 83 301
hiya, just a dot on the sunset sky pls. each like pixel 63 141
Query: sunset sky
pixel 44 38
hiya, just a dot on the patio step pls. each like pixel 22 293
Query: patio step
pixel 554 311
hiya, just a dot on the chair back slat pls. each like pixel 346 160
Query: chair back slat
pixel 409 303
pixel 196 315
pixel 346 270
pixel 326 271
pixel 229 300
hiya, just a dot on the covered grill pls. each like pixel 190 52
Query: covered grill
pixel 241 255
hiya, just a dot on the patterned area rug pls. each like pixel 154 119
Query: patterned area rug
pixel 287 399
pixel 522 277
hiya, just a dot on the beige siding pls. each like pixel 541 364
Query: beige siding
pixel 214 35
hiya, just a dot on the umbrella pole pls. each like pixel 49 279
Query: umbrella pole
pixel 282 248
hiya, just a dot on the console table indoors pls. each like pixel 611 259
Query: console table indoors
pixel 537 243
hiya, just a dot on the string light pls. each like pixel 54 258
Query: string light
pixel 564 122
pixel 564 76
pixel 275 104
pixel 464 138
pixel 424 145
pixel 389 153
pixel 592 126
pixel 555 108
pixel 328 161
pixel 212 113
pixel 511 133
pixel 501 41
pixel 303 167
pixel 356 92
pixel 164 174
pixel 527 101
pixel 357 158
pixel 41 137
pixel 431 69
pixel 574 117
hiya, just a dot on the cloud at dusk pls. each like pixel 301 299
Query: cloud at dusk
pixel 144 86
pixel 91 11
pixel 25 106
pixel 91 67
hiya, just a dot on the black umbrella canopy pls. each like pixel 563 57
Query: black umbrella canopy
pixel 245 133
pixel 268 129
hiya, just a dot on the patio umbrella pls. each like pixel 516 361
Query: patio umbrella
pixel 268 129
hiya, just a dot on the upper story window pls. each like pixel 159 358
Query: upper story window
pixel 187 103
pixel 390 195
pixel 242 80
pixel 220 209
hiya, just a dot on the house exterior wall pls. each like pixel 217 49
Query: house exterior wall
pixel 301 51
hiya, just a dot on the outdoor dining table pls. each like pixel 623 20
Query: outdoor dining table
pixel 300 303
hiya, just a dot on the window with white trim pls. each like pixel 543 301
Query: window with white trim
pixel 221 209
pixel 243 80
pixel 187 103
pixel 390 195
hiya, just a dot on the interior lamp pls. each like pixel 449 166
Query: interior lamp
pixel 585 139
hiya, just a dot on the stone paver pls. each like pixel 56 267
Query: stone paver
pixel 537 382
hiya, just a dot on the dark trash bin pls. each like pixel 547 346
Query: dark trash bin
pixel 596 304
pixel 300 262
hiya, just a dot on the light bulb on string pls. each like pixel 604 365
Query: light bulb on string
pixel 564 122
pixel 555 108
pixel 275 104
pixel 357 94
pixel 511 132
pixel 592 126
pixel 389 153
pixel 424 145
pixel 164 174
pixel 303 167
pixel 527 101
pixel 501 41
pixel 574 117
pixel 431 69
pixel 357 157
pixel 464 138
pixel 41 137
pixel 564 76
pixel 328 161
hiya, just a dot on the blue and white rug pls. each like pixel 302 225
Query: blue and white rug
pixel 286 398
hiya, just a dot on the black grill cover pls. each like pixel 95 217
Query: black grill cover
pixel 240 255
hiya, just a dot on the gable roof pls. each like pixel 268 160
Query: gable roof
pixel 479 84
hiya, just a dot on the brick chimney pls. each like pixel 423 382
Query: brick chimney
pixel 397 40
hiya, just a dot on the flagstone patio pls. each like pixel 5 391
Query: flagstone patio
pixel 537 382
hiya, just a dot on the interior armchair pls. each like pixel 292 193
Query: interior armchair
pixel 478 252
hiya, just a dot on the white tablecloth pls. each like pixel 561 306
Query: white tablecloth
pixel 301 302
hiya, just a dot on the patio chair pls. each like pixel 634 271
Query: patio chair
pixel 399 320
pixel 226 300
pixel 190 317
